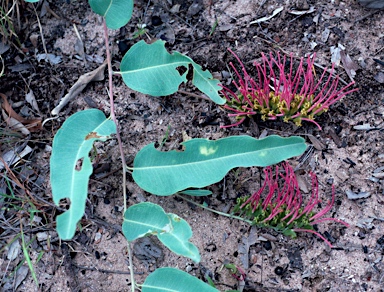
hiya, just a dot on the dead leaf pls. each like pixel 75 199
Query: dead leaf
pixel 30 98
pixel 349 66
pixel 353 196
pixel 21 274
pixel 364 127
pixel 316 143
pixel 20 67
pixel 325 35
pixel 92 135
pixel 14 250
pixel 243 247
pixel 335 55
pixel 33 125
pixel 302 12
pixel 14 155
pixel 81 83
pixel 303 184
pixel 53 59
pixel 14 124
pixel 274 13
pixel 379 77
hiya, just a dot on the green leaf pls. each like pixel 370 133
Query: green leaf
pixel 204 162
pixel 150 69
pixel 117 13
pixel 204 81
pixel 170 279
pixel 196 193
pixel 150 219
pixel 177 239
pixel 145 219
pixel 72 143
pixel 290 232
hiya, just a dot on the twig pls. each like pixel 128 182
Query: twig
pixel 193 95
pixel 367 15
pixel 215 211
pixel 102 270
pixel 41 32
pixel 124 164
pixel 52 12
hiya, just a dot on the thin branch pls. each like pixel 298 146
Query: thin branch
pixel 214 211
pixel 124 164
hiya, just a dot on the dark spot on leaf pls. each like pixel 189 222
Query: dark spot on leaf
pixel 79 164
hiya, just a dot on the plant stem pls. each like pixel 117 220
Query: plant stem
pixel 124 164
pixel 113 116
pixel 215 211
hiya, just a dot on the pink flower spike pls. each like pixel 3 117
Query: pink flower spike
pixel 314 232
pixel 233 125
pixel 293 94
pixel 327 208
pixel 312 121
pixel 330 219
pixel 279 204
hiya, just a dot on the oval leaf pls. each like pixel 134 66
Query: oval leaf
pixel 150 69
pixel 177 240
pixel 204 162
pixel 150 219
pixel 117 13
pixel 170 279
pixel 196 193
pixel 69 175
pixel 205 82
pixel 144 219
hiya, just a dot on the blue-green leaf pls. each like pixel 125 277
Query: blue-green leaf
pixel 177 240
pixel 204 162
pixel 69 175
pixel 170 279
pixel 117 13
pixel 196 192
pixel 150 69
pixel 145 219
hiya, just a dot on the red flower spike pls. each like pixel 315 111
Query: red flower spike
pixel 296 96
pixel 282 207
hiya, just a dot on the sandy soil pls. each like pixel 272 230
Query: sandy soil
pixel 350 159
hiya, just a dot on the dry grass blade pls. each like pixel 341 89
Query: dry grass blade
pixel 9 11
